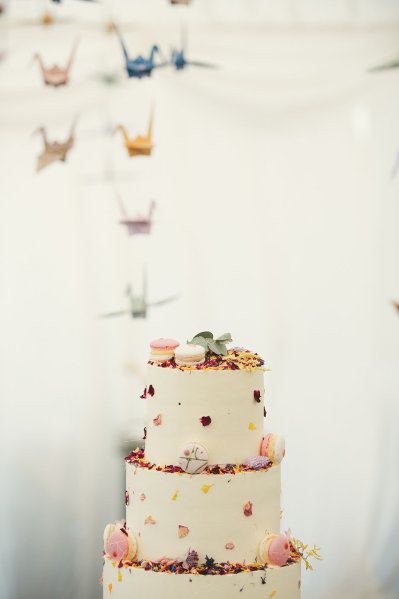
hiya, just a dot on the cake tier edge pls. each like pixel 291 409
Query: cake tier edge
pixel 129 582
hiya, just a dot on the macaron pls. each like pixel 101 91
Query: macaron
pixel 273 447
pixel 189 354
pixel 163 349
pixel 119 543
pixel 274 550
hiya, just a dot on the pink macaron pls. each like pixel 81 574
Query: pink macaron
pixel 273 447
pixel 274 550
pixel 163 349
pixel 117 546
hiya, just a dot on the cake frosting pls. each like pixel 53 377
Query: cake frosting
pixel 203 497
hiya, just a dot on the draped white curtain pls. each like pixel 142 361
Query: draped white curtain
pixel 277 220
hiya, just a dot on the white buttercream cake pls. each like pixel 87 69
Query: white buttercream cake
pixel 203 498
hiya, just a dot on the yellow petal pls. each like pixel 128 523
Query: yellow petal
pixel 205 488
pixel 174 496
pixel 251 426
pixel 272 594
pixel 119 576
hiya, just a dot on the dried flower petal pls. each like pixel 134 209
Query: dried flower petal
pixel 205 488
pixel 110 587
pixel 145 433
pixel 252 426
pixel 248 508
pixel 230 546
pixel 157 420
pixel 150 520
pixel 127 498
pixel 174 496
pixel 144 393
pixel 151 390
pixel 183 531
pixel 257 395
pixel 192 559
pixel 142 497
pixel 205 420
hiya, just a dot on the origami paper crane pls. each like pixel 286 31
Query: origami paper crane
pixel 140 145
pixel 54 150
pixel 393 64
pixel 139 225
pixel 179 60
pixel 138 304
pixel 140 66
pixel 56 75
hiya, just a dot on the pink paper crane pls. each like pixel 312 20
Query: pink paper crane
pixel 56 75
pixel 140 225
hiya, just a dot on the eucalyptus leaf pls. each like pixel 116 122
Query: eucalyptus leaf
pixel 215 347
pixel 225 338
pixel 206 334
pixel 200 341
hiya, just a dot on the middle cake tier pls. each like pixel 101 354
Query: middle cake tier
pixel 223 516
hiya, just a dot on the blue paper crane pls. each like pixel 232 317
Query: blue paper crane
pixel 179 60
pixel 140 66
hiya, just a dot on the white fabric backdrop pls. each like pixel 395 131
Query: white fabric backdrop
pixel 277 220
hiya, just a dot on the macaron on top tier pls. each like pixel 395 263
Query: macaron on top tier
pixel 189 354
pixel 163 349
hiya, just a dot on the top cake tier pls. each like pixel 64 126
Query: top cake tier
pixel 221 409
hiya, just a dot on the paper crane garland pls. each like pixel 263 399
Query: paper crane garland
pixel 140 66
pixel 138 304
pixel 138 146
pixel 54 150
pixel 139 225
pixel 56 75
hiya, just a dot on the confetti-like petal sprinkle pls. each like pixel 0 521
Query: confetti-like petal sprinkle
pixel 127 498
pixel 136 458
pixel 247 508
pixel 150 520
pixel 151 390
pixel 236 359
pixel 144 395
pixel 252 426
pixel 119 576
pixel 157 420
pixel 110 587
pixel 174 496
pixel 205 420
pixel 142 497
pixel 257 395
pixel 229 546
pixel 273 593
pixel 205 488
pixel 183 531
pixel 144 437
pixel 258 462
pixel 192 558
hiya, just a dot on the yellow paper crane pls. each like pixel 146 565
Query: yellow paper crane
pixel 140 145
pixel 56 75
pixel 54 150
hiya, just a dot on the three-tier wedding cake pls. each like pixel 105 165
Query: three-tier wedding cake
pixel 203 498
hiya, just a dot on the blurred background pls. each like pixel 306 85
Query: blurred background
pixel 276 218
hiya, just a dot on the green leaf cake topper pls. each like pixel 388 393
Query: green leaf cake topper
pixel 216 346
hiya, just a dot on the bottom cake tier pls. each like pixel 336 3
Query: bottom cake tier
pixel 126 581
